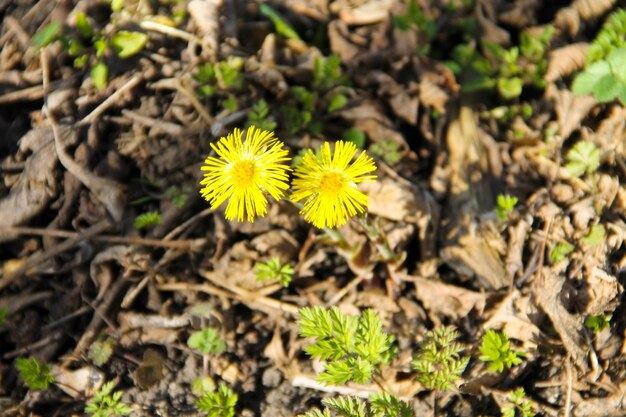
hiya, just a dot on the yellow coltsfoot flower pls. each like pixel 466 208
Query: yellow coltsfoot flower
pixel 244 172
pixel 328 184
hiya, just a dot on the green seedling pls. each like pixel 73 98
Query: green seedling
pixel 595 237
pixel 516 401
pixel 584 157
pixel 101 351
pixel 612 36
pixel 222 76
pixel 560 251
pixel 506 204
pixel 353 346
pixel 273 270
pixel 106 403
pixel 283 28
pixel 34 374
pixel 439 363
pixel 496 350
pixel 220 403
pixel 387 150
pixel 598 323
pixel 178 195
pixel 378 405
pixel 207 341
pixel 605 79
pixel 230 103
pixel 151 218
pixel 327 73
pixel 260 117
pixel 47 35
pixel 505 70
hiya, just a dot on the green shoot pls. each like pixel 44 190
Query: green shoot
pixel 150 218
pixel 595 236
pixel 327 73
pixel 283 28
pixel 259 116
pixel 47 35
pixel 127 43
pixel 584 157
pixel 352 346
pixel 100 75
pixel 606 79
pixel 417 20
pixel 496 349
pixel 378 405
pixel 106 403
pixel 273 270
pixel 387 150
pixel 207 341
pixel 337 102
pixel 517 402
pixel 612 36
pixel 220 403
pixel 35 375
pixel 101 351
pixel 598 323
pixel 560 251
pixel 202 385
pixel 177 195
pixel 506 204
pixel 439 363
pixel 4 310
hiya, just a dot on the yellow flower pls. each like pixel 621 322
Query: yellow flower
pixel 245 172
pixel 328 182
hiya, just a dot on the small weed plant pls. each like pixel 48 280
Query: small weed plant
pixel 377 405
pixel 220 403
pixel 583 158
pixel 605 79
pixel 518 405
pixel 101 351
pixel 34 374
pixel 439 363
pixel 353 347
pixel 612 36
pixel 595 237
pixel 221 76
pixel 505 205
pixel 387 150
pixel 260 116
pixel 599 322
pixel 496 350
pixel 4 310
pixel 560 251
pixel 106 403
pixel 207 341
pixel 274 270
pixel 151 218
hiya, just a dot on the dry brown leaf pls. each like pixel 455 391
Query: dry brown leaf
pixel 570 109
pixel 362 12
pixel 547 294
pixel 371 119
pixel 205 14
pixel 566 60
pixel 443 299
pixel 602 291
pixel 431 95
pixel 589 9
pixel 611 406
pixel 522 14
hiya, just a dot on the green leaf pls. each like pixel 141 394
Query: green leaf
pixel 3 314
pixel 100 75
pixel 337 102
pixel 617 62
pixel 585 82
pixel 101 46
pixel 584 157
pixel 560 251
pixel 355 136
pixel 207 341
pixel 47 35
pixel 117 5
pixel 506 204
pixel 220 403
pixel 510 88
pixel 595 236
pixel 101 351
pixel 35 375
pixel 83 25
pixel 150 218
pixel 598 323
pixel 283 28
pixel 128 43
pixel 106 403
pixel 273 270
pixel 607 88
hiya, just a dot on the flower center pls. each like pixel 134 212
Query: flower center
pixel 243 173
pixel 332 183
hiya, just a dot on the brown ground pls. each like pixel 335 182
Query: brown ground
pixel 74 269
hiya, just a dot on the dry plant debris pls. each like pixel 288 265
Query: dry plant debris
pixel 426 170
